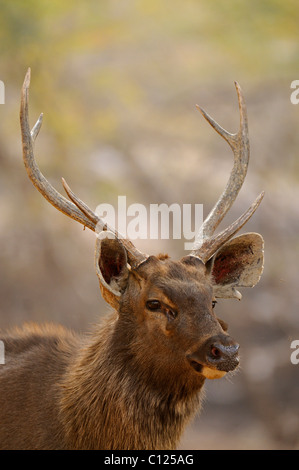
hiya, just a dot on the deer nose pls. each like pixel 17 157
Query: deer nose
pixel 222 352
pixel 218 352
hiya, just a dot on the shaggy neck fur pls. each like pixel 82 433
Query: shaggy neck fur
pixel 116 395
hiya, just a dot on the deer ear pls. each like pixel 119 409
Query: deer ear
pixel 239 263
pixel 111 267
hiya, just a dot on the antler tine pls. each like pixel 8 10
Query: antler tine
pixel 36 128
pixel 76 209
pixel 80 204
pixel 34 173
pixel 210 245
pixel 135 256
pixel 239 143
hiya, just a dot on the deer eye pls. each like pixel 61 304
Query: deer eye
pixel 153 305
pixel 214 302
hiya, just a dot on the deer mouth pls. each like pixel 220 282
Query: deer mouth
pixel 212 372
pixel 207 372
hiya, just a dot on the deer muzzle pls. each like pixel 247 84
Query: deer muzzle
pixel 217 356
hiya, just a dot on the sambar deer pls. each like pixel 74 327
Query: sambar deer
pixel 135 382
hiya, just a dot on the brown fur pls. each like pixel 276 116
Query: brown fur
pixel 127 385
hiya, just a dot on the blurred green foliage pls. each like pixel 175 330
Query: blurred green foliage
pixel 99 67
pixel 133 52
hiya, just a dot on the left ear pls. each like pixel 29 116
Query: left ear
pixel 111 267
pixel 239 263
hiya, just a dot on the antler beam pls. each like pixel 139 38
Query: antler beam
pixel 206 244
pixel 76 209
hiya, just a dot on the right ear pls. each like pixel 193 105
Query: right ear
pixel 111 267
pixel 239 263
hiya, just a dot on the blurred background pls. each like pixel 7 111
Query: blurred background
pixel 118 83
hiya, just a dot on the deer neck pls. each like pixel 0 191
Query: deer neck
pixel 113 397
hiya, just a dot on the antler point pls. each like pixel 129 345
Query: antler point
pixel 27 78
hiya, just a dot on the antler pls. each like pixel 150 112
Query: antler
pixel 76 209
pixel 206 244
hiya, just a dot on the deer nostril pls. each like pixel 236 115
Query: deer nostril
pixel 221 352
pixel 215 351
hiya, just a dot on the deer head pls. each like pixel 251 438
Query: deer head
pixel 171 302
